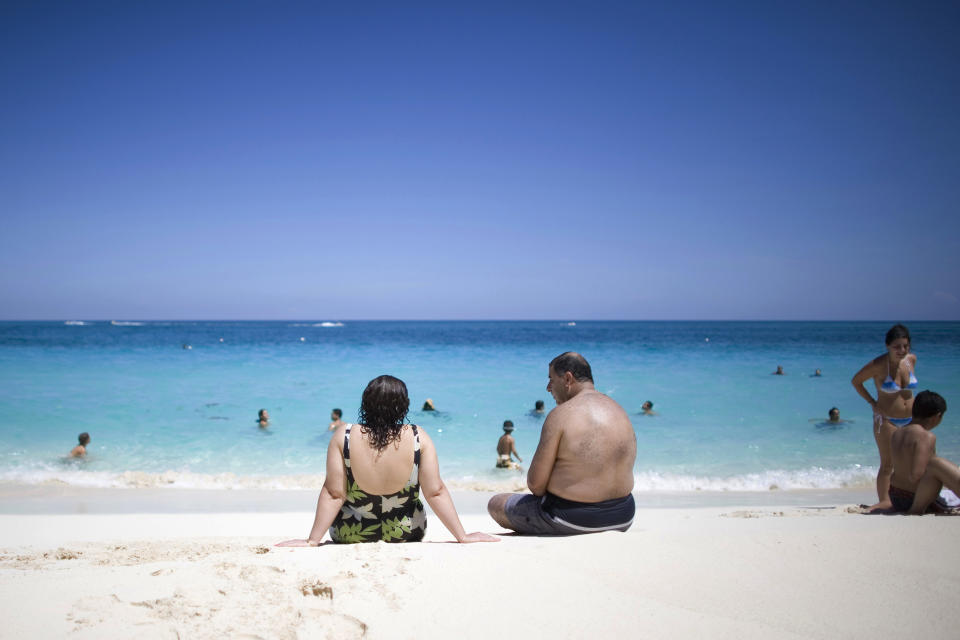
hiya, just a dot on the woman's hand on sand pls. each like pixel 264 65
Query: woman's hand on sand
pixel 297 543
pixel 479 536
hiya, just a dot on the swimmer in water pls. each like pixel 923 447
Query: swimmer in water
pixel 506 448
pixel 834 415
pixel 336 416
pixel 816 374
pixel 647 409
pixel 428 405
pixel 263 418
pixel 80 450
pixel 538 407
pixel 779 371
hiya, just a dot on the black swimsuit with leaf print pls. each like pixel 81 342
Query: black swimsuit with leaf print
pixel 398 517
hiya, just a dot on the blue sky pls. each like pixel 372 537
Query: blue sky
pixel 690 160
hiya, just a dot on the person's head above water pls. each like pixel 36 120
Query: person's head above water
pixel 538 405
pixel 83 439
pixel 262 415
pixel 834 414
pixel 646 406
pixel 383 411
pixel 508 425
pixel 928 404
pixel 336 414
pixel 428 405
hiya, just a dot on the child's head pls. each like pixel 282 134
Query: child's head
pixel 507 426
pixel 337 414
pixel 83 438
pixel 928 404
pixel 538 405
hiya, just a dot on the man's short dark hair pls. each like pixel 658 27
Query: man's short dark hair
pixel 508 423
pixel 573 362
pixel 338 413
pixel 928 404
pixel 538 404
pixel 83 438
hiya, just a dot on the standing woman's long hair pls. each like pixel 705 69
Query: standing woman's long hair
pixel 383 411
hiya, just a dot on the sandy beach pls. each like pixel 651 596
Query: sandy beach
pixel 774 566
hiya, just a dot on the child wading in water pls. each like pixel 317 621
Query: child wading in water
pixel 506 448
pixel 81 449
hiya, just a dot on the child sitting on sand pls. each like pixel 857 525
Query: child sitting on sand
pixel 506 447
pixel 80 450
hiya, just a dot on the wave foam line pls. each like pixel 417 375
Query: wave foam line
pixel 856 477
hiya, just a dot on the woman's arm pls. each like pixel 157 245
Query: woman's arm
pixel 331 497
pixel 437 496
pixel 860 378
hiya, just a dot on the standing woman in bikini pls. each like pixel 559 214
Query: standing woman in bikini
pixel 894 375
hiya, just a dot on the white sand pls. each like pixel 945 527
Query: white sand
pixel 709 572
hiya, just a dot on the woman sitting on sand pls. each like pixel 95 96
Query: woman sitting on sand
pixel 893 374
pixel 374 477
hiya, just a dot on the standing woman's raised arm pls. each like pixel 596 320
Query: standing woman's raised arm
pixel 861 377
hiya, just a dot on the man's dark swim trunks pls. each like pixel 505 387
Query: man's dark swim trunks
pixel 552 515
pixel 902 501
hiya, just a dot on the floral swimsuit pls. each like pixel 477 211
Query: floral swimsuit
pixel 398 517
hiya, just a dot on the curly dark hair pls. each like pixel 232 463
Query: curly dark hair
pixel 383 411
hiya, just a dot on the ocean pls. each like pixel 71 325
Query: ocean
pixel 164 415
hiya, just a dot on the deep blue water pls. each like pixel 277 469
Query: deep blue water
pixel 162 414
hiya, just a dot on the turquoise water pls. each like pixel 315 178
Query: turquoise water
pixel 160 414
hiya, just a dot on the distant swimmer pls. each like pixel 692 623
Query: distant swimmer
pixel 779 371
pixel 834 415
pixel 80 450
pixel 336 416
pixel 538 407
pixel 507 448
pixel 816 374
pixel 918 472
pixel 647 409
pixel 263 418
pixel 428 405
pixel 187 347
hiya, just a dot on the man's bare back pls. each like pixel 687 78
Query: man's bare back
pixel 581 475
pixel 595 449
pixel 912 448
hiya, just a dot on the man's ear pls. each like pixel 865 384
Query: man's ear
pixel 568 377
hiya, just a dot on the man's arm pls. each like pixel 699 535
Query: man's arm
pixel 541 466
pixel 923 451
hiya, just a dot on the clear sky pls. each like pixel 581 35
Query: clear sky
pixel 554 160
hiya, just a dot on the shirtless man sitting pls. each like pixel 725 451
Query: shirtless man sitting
pixel 918 473
pixel 581 475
